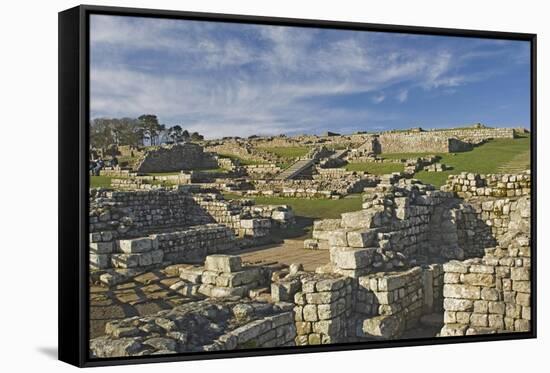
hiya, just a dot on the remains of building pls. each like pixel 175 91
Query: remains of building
pixel 414 261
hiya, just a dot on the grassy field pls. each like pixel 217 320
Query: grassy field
pixel 242 161
pixel 375 168
pixel 287 152
pixel 311 208
pixel 499 155
pixel 100 181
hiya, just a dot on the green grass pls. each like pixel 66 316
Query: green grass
pixel 316 208
pixel 163 173
pixel 375 168
pixel 242 161
pixel 100 181
pixel 288 151
pixel 488 158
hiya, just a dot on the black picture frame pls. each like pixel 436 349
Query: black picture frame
pixel 74 180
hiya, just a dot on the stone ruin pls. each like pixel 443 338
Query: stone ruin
pixel 131 231
pixel 413 260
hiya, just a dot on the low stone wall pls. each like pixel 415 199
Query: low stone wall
pixel 185 227
pixel 468 185
pixel 262 169
pixel 222 276
pixel 117 172
pixel 184 246
pixel 489 295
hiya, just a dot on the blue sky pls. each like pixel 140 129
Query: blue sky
pixel 223 79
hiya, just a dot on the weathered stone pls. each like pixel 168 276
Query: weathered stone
pixel 461 291
pixel 451 304
pixel 223 263
pixel 137 245
pixel 361 238
pixel 348 258
pixel 382 326
pixel 482 279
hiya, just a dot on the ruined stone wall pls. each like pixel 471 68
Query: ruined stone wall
pixel 419 142
pixel 492 294
pixel 263 170
pixel 187 156
pixel 468 185
pixel 478 135
pixel 181 246
pixel 322 310
pixel 488 295
pixel 178 226
pixel 201 325
pixel 391 302
pixel 326 184
pixel 117 172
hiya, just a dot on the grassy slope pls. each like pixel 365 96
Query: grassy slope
pixel 244 162
pixel 312 208
pixel 375 168
pixel 487 158
pixel 100 181
pixel 287 152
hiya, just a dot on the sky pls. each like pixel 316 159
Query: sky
pixel 224 79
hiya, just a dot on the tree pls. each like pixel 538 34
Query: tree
pixel 196 137
pixel 149 127
pixel 175 133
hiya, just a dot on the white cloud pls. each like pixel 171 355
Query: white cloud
pixel 262 79
pixel 402 96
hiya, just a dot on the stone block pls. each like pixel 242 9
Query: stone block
pixel 523 299
pixel 223 263
pixel 100 261
pixel 520 273
pixel 461 291
pixel 481 279
pixel 384 327
pixel 451 304
pixel 285 291
pixel 360 219
pixel 522 325
pixel 101 247
pixel 137 245
pixel 497 307
pixel 157 256
pixel 361 238
pixel 310 312
pixel 453 330
pixel 455 266
pixel 322 297
pixel 125 260
pixel 350 258
pixel 338 238
pixel 489 294
pixel 191 274
pixel 331 310
pixel 480 268
pixel 234 279
pixel 330 284
pixel 521 286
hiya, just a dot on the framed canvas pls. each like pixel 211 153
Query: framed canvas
pixel 236 186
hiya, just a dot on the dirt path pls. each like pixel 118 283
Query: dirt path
pixel 288 252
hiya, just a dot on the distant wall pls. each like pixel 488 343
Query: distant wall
pixel 440 141
pixel 178 157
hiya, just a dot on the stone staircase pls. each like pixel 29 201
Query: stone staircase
pixel 295 169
